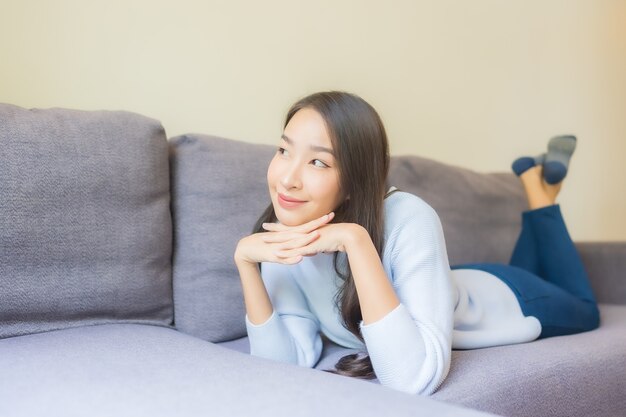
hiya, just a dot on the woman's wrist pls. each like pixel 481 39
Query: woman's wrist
pixel 245 264
pixel 354 236
pixel 242 256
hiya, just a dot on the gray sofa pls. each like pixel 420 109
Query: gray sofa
pixel 118 294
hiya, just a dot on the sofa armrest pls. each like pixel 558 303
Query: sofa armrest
pixel 605 263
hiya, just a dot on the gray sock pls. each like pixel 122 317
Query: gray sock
pixel 540 159
pixel 556 164
pixel 561 148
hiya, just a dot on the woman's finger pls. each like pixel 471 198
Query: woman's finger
pixel 280 237
pixel 304 228
pixel 290 261
pixel 308 250
pixel 297 243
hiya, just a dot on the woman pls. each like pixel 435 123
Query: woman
pixel 341 256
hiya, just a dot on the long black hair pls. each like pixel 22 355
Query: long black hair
pixel 362 153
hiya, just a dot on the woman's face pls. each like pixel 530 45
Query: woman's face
pixel 303 176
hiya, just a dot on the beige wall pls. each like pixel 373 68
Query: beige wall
pixel 474 83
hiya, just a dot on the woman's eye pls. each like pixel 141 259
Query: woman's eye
pixel 283 151
pixel 319 163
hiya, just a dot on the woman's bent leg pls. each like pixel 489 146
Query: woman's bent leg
pixel 547 275
pixel 525 252
pixel 556 258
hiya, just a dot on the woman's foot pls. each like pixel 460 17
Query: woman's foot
pixel 538 192
pixel 542 176
pixel 555 162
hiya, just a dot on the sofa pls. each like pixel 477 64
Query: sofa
pixel 119 295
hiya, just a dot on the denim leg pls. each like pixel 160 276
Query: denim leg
pixel 558 311
pixel 547 275
pixel 525 252
pixel 547 250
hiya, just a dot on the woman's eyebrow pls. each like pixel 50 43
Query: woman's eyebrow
pixel 313 147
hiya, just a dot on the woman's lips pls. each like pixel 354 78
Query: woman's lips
pixel 289 202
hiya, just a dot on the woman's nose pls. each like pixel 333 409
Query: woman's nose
pixel 291 178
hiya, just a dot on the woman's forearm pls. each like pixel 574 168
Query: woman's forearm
pixel 377 297
pixel 258 304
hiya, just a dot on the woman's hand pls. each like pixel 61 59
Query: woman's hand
pixel 288 244
pixel 374 289
pixel 271 246
pixel 330 238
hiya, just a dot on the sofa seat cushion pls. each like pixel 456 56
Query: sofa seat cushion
pixel 577 375
pixel 140 370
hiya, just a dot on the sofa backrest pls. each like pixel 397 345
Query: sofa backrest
pixel 219 190
pixel 85 222
pixel 480 212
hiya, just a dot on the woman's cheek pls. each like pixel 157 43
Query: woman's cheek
pixel 271 171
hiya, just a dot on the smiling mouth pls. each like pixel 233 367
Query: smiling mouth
pixel 289 202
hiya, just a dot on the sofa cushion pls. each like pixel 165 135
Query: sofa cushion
pixel 480 213
pixel 135 370
pixel 577 375
pixel 84 218
pixel 219 190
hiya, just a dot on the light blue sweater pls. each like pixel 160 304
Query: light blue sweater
pixel 410 347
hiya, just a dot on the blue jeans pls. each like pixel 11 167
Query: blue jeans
pixel 547 275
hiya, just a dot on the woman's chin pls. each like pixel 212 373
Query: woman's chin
pixel 290 219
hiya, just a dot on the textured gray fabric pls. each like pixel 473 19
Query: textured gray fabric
pixel 480 213
pixel 606 265
pixel 133 370
pixel 219 190
pixel 577 375
pixel 85 224
pixel 241 344
pixel 331 352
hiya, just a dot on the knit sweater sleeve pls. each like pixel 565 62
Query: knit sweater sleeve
pixel 410 348
pixel 292 333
